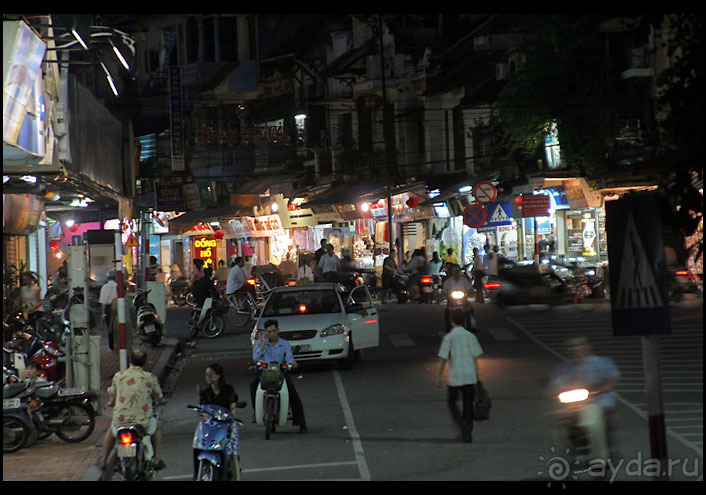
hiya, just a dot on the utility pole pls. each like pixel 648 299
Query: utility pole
pixel 386 137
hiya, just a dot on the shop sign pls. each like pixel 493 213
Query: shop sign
pixel 265 226
pixel 169 194
pixel 576 197
pixel 235 228
pixel 638 287
pixel 535 205
pixel 205 249
pixel 379 210
pixel 244 200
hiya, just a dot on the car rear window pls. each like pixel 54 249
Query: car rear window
pixel 302 302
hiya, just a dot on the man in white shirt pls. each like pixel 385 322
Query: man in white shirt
pixel 460 349
pixel 109 292
pixel 236 277
pixel 329 264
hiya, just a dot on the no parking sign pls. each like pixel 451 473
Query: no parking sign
pixel 474 216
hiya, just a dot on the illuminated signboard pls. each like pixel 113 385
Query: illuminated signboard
pixel 205 249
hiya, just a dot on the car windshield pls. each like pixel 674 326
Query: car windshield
pixel 302 302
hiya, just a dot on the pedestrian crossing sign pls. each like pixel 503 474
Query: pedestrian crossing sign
pixel 638 288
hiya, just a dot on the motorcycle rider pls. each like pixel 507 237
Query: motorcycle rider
pixel 455 281
pixel 132 393
pixel 272 348
pixel 418 266
pixel 389 270
pixel 597 373
pixel 237 281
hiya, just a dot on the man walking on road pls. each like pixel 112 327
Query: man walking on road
pixel 460 349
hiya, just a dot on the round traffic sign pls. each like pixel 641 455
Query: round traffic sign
pixel 485 192
pixel 474 216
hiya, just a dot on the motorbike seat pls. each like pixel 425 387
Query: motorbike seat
pixel 15 389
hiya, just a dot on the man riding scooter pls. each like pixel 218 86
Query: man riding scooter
pixel 457 288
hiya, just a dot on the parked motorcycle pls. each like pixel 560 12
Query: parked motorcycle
pixel 69 413
pixel 209 319
pixel 272 397
pixel 18 429
pixel 149 326
pixel 49 355
pixel 211 461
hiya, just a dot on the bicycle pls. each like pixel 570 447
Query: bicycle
pixel 242 308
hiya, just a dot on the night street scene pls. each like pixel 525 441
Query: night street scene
pixel 353 247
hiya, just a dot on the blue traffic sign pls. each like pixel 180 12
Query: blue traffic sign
pixel 638 280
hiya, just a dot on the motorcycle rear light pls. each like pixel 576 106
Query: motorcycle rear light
pixel 682 272
pixel 292 282
pixel 126 438
pixel 251 281
pixel 426 280
pixel 491 285
pixel 570 396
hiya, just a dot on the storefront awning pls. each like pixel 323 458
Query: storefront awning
pixel 350 195
pixel 185 222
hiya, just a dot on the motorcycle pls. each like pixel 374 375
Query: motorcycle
pixel 135 453
pixel 49 355
pixel 272 396
pixel 580 429
pixel 180 288
pixel 526 285
pixel 18 429
pixel 209 319
pixel 680 281
pixel 211 462
pixel 455 300
pixel 69 413
pixel 149 326
pixel 426 288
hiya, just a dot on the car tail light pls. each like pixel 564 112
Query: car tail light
pixel 491 285
pixel 302 308
pixel 126 438
pixel 292 282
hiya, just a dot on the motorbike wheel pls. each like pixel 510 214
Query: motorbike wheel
pixel 214 326
pixel 189 298
pixel 129 468
pixel 14 434
pixel 269 417
pixel 207 471
pixel 78 423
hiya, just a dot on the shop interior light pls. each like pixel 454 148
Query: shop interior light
pixel 79 38
pixel 365 207
pixel 29 178
pixel 5 179
pixel 110 79
pixel 69 222
pixel 465 189
pixel 274 207
pixel 119 55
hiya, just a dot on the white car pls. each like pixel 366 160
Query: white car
pixel 322 321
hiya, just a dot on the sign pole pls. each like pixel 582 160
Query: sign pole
pixel 655 405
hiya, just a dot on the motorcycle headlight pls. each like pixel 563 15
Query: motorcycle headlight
pixel 457 294
pixel 577 395
pixel 333 330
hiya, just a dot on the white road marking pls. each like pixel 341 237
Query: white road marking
pixel 350 423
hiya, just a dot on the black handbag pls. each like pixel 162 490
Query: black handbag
pixel 481 403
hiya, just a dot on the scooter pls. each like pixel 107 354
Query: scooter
pixel 580 428
pixel 135 453
pixel 458 299
pixel 211 461
pixel 272 396
pixel 209 319
pixel 426 288
pixel 18 429
pixel 149 326
pixel 179 288
pixel 49 355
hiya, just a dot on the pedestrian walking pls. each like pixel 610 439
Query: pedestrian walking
pixel 108 293
pixel 459 350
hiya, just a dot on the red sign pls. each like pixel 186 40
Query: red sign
pixel 485 192
pixel 535 205
pixel 474 216
pixel 205 249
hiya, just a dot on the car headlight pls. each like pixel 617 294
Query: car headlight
pixel 333 330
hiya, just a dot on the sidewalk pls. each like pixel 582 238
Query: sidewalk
pixel 53 459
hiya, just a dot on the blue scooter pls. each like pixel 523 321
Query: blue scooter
pixel 211 461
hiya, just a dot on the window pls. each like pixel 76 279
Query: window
pixel 302 302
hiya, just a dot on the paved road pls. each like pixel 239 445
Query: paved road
pixel 387 420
